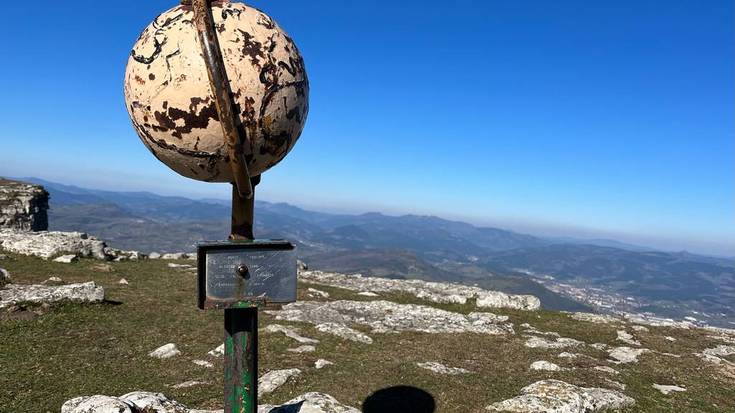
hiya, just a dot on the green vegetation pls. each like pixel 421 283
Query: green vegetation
pixel 71 350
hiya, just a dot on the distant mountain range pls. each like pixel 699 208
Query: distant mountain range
pixel 426 247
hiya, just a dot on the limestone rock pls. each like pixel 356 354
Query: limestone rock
pixel 203 363
pixel 342 331
pixel 442 369
pixel 53 281
pixel 102 268
pixel 432 291
pixel 667 389
pixel 640 328
pixel 560 342
pixel 544 365
pixel 653 321
pixel 627 338
pixel 123 281
pixel 66 259
pixel 189 383
pixel 595 318
pixel 561 397
pixel 321 363
pixel 174 256
pixel 386 316
pixel 23 206
pixel 165 351
pixel 290 332
pixel 302 349
pixel 154 256
pixel 83 292
pixel 96 404
pixel 152 402
pixel 48 244
pixel 274 379
pixel 218 352
pixel 367 294
pixel 606 369
pixel 309 403
pixel 624 355
pixel 4 276
pixel 313 292
pixel 566 355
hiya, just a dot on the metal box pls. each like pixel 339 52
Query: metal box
pixel 234 274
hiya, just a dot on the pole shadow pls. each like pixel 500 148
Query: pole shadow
pixel 399 399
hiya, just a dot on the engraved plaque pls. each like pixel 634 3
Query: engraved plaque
pixel 232 272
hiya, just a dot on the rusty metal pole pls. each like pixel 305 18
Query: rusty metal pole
pixel 241 324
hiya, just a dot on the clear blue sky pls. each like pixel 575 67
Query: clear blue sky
pixel 551 117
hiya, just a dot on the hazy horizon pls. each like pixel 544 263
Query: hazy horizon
pixel 540 229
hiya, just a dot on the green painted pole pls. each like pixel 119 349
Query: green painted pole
pixel 241 360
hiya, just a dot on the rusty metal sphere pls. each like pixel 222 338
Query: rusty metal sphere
pixel 171 104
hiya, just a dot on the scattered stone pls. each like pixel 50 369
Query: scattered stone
pixel 595 318
pixel 309 403
pixel 174 256
pixel 189 383
pixel 669 338
pixel 218 352
pixel 442 369
pixel 367 294
pixel 562 397
pixel 386 316
pixel 567 355
pixel 342 331
pixel 627 338
pixel 87 292
pixel 623 355
pixel 606 369
pixel 143 401
pixel 720 351
pixel 432 291
pixel 274 379
pixel 66 259
pixel 560 342
pixel 667 389
pixel 653 321
pixel 139 402
pixel 302 349
pixel 717 356
pixel 640 328
pixel 94 404
pixel 165 351
pixel 102 268
pixel 203 363
pixel 154 256
pixel 544 366
pixel 48 244
pixel 321 363
pixel 53 280
pixel 123 281
pixel 301 266
pixel 23 206
pixel 313 292
pixel 4 276
pixel 174 265
pixel 290 332
pixel 600 346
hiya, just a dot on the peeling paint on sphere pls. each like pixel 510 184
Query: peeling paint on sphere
pixel 171 104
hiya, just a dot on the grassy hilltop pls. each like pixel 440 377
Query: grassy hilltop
pixel 51 354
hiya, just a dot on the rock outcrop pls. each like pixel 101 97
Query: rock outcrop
pixel 148 402
pixel 38 294
pixel 562 397
pixel 50 244
pixel 386 316
pixel 431 291
pixel 23 206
